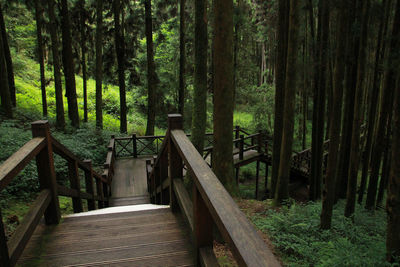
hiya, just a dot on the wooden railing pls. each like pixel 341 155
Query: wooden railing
pixel 42 148
pixel 211 204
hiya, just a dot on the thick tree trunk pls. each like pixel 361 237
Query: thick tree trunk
pixel 357 121
pixel 151 72
pixel 6 103
pixel 291 83
pixel 223 94
pixel 199 114
pixel 99 64
pixel 8 59
pixel 60 120
pixel 39 25
pixel 374 96
pixel 336 115
pixel 83 49
pixel 386 107
pixel 120 51
pixel 280 75
pixel 393 198
pixel 68 62
pixel 182 58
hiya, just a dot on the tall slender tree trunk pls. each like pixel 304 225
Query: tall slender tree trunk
pixel 7 56
pixel 60 119
pixel 374 96
pixel 151 72
pixel 83 50
pixel 120 51
pixel 99 64
pixel 385 163
pixel 182 58
pixel 199 114
pixel 357 121
pixel 68 62
pixel 6 103
pixel 328 198
pixel 223 94
pixel 291 84
pixel 39 25
pixel 393 198
pixel 386 106
pixel 280 75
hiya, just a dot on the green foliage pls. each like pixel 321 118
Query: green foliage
pixel 296 234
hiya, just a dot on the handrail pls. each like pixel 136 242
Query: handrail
pixel 212 204
pixel 42 147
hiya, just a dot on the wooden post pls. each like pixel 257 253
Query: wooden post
pixel 156 180
pixel 4 256
pixel 237 133
pixel 73 175
pixel 89 184
pixel 241 147
pixel 175 121
pixel 203 224
pixel 134 141
pixel 99 188
pixel 105 191
pixel 46 171
pixel 266 180
pixel 257 177
pixel 163 177
pixel 148 162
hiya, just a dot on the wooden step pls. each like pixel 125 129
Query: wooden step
pixel 127 201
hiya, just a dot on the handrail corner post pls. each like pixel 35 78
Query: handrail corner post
pixel 134 143
pixel 175 121
pixel 46 171
pixel 4 256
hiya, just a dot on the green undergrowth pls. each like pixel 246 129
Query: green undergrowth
pixel 299 241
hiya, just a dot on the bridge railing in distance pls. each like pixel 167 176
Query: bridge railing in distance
pixel 42 147
pixel 210 205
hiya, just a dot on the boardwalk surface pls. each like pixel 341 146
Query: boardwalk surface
pixel 154 237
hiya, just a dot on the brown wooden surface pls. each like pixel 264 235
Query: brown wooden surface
pixel 146 238
pixel 184 201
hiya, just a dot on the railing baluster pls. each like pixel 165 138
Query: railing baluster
pixel 241 147
pixel 163 177
pixel 237 132
pixel 134 145
pixel 46 171
pixel 4 256
pixel 75 184
pixel 89 184
pixel 99 189
pixel 106 194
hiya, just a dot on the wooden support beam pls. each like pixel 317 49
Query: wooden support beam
pixel 89 185
pixel 73 174
pixel 175 121
pixel 4 257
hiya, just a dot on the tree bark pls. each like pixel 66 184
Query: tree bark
pixel 182 58
pixel 60 120
pixel 39 25
pixel 199 114
pixel 280 75
pixel 8 59
pixel 282 189
pixel 223 94
pixel 393 198
pixel 328 194
pixel 83 59
pixel 6 103
pixel 68 62
pixel 385 163
pixel 151 72
pixel 357 121
pixel 99 64
pixel 120 51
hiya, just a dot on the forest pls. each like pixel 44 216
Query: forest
pixel 319 81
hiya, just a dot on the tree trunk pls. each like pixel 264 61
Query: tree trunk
pixel 68 62
pixel 99 64
pixel 151 72
pixel 328 194
pixel 8 59
pixel 83 49
pixel 223 94
pixel 374 96
pixel 182 58
pixel 385 163
pixel 39 25
pixel 6 103
pixel 60 120
pixel 291 83
pixel 199 114
pixel 120 51
pixel 280 75
pixel 386 107
pixel 357 121
pixel 393 198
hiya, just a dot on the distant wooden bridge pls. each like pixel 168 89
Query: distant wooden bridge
pixel 114 223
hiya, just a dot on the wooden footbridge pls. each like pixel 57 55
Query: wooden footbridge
pixel 115 223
